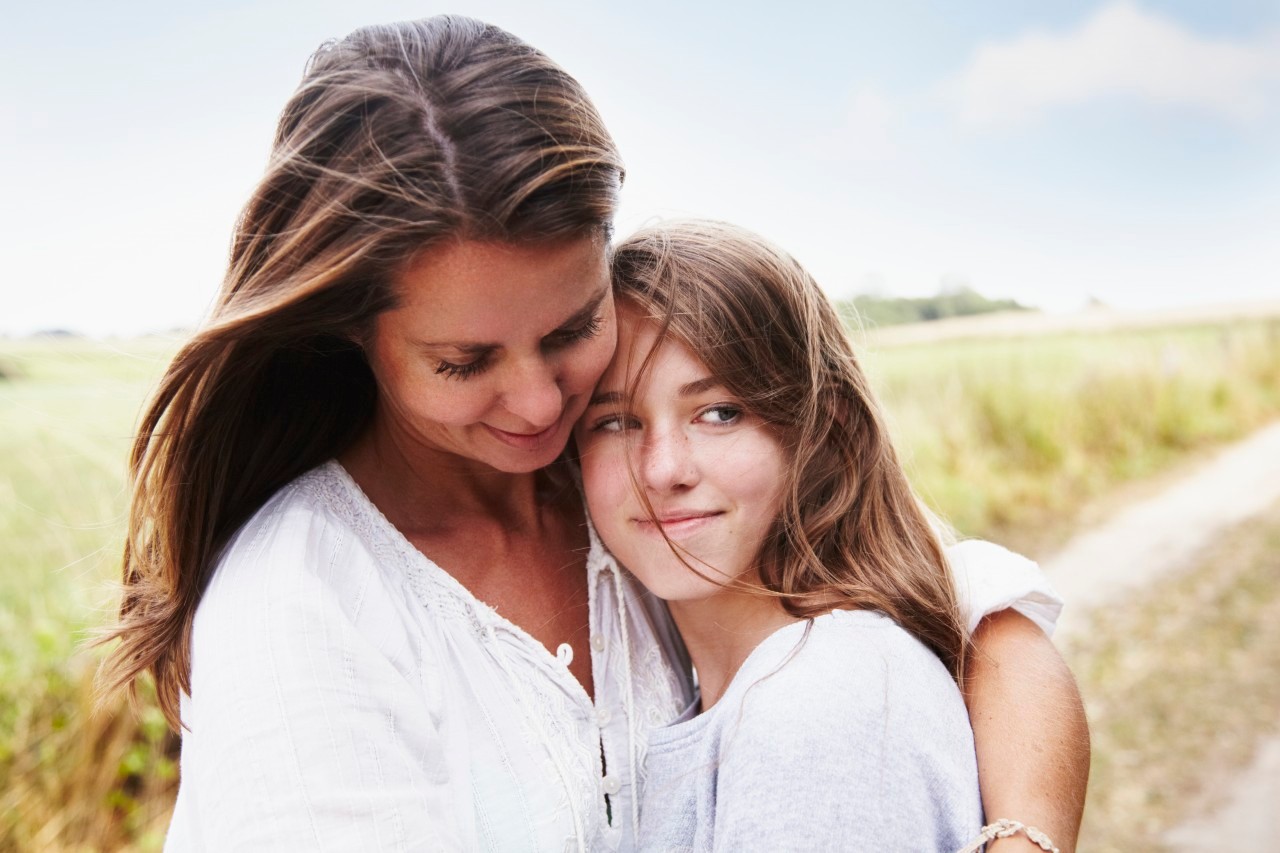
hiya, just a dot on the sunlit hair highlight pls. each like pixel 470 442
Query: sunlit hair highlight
pixel 398 137
pixel 851 532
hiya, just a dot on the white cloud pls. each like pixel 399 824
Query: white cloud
pixel 1122 50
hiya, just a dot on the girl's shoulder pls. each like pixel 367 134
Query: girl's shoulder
pixel 844 667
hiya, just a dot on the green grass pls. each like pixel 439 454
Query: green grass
pixel 1006 436
pixel 1003 437
pixel 74 779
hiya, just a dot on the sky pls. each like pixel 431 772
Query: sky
pixel 1051 152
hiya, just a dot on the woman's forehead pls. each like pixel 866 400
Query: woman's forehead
pixel 470 291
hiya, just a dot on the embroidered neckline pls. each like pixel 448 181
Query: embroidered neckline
pixel 429 580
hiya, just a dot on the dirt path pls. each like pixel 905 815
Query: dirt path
pixel 1158 537
pixel 1248 815
pixel 1162 534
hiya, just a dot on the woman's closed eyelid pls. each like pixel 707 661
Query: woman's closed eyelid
pixel 452 370
pixel 556 340
pixel 568 337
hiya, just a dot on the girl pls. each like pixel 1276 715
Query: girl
pixel 735 461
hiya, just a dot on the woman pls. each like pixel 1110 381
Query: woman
pixel 358 576
pixel 734 459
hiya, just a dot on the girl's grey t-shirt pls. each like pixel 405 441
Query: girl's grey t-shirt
pixel 846 734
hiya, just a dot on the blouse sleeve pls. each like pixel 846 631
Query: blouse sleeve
pixel 303 729
pixel 989 578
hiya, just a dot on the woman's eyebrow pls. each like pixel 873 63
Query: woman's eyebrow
pixel 587 311
pixel 577 318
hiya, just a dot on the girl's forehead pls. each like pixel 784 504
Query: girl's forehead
pixel 643 345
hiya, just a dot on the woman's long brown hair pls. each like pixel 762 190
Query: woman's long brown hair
pixel 398 136
pixel 851 532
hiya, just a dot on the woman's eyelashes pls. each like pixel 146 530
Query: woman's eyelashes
pixel 559 339
pixel 568 337
pixel 463 371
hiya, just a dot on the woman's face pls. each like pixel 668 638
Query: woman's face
pixel 493 349
pixel 712 472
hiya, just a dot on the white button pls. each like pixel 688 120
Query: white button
pixel 597 643
pixel 611 785
pixel 603 716
pixel 655 716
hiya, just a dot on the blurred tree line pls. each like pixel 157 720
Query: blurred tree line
pixel 872 310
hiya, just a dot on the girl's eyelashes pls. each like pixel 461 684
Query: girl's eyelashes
pixel 612 423
pixel 721 414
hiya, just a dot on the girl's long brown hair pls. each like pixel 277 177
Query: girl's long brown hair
pixel 398 136
pixel 851 532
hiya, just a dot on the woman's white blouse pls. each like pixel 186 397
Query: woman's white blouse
pixel 349 694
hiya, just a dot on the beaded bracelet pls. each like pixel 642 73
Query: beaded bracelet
pixel 1003 828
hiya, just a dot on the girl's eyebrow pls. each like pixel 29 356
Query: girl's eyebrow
pixel 605 398
pixel 698 386
pixel 689 389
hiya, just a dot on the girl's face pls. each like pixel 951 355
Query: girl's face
pixel 493 349
pixel 711 471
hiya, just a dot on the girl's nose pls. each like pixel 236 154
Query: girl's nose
pixel 668 462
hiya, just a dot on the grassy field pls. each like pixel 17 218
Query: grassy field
pixel 1007 438
pixel 73 779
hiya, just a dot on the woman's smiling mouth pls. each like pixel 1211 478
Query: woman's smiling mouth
pixel 526 441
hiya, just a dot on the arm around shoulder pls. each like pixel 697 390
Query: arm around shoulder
pixel 1030 731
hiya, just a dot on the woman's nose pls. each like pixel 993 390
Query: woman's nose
pixel 533 394
pixel 668 462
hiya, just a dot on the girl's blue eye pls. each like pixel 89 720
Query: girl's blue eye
pixel 721 414
pixel 613 423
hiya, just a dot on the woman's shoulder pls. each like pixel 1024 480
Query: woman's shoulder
pixel 310 553
pixel 295 526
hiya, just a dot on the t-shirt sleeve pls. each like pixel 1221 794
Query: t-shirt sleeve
pixel 989 578
pixel 305 732
pixel 866 749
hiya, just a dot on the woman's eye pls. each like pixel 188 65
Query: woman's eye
pixel 721 414
pixel 568 337
pixel 462 371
